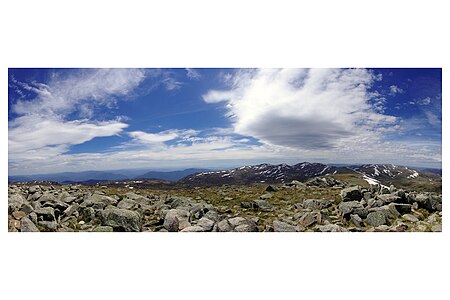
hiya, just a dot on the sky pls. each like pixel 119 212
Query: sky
pixel 169 119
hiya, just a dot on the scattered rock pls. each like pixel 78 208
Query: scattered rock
pixel 316 204
pixel 331 228
pixel 176 220
pixel 121 219
pixel 103 229
pixel 18 215
pixel 279 226
pixel 376 218
pixel 436 228
pixel 224 226
pixel 356 220
pixel 206 223
pixel 410 218
pixel 352 193
pixel 271 188
pixel 194 228
pixel 27 226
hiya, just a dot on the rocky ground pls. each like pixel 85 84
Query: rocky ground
pixel 321 204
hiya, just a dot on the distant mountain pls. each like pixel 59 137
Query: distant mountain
pixel 265 173
pixel 386 174
pixel 71 176
pixel 100 176
pixel 170 176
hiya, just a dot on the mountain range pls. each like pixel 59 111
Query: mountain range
pixel 98 176
pixel 385 174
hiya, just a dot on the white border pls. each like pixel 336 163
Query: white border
pixel 222 34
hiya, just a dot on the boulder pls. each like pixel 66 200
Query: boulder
pixel 194 228
pixel 352 207
pixel 224 226
pixel 176 220
pixel 247 204
pixel 266 196
pixel 27 208
pixel 27 226
pixel 99 201
pixel 271 188
pixel 18 214
pixel 15 201
pixel 410 218
pixel 87 213
pixel 352 193
pixel 436 228
pixel 127 204
pixel 356 220
pixel 376 218
pixel 262 205
pixel 388 198
pixel 402 208
pixel 103 229
pixel 310 218
pixel 316 204
pixel 45 213
pixel 243 225
pixel 206 223
pixel 331 228
pixel 71 209
pixel 279 226
pixel 48 225
pixel 296 184
pixel 121 219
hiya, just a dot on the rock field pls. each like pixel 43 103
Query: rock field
pixel 319 205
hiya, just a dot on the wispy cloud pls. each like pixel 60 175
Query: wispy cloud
pixel 193 74
pixel 393 89
pixel 43 129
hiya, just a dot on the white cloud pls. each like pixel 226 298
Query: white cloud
pixel 38 137
pixel 43 132
pixel 84 88
pixel 162 136
pixel 424 101
pixel 193 74
pixel 393 89
pixel 302 109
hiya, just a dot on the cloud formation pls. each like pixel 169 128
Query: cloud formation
pixel 302 109
pixel 43 129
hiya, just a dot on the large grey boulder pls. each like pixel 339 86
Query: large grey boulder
pixel 15 201
pixel 194 228
pixel 388 198
pixel 316 204
pixel 280 226
pixel 352 207
pixel 71 209
pixel 310 218
pixel 45 213
pixel 262 205
pixel 27 226
pixel 206 223
pixel 224 226
pixel 402 208
pixel 121 219
pixel 352 193
pixel 376 218
pixel 98 201
pixel 243 225
pixel 176 220
pixel 127 204
pixel 331 228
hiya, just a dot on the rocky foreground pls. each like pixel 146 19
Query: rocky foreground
pixel 321 204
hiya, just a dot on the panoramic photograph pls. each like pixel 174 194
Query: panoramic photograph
pixel 225 150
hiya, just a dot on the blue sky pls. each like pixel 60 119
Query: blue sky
pixel 99 119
